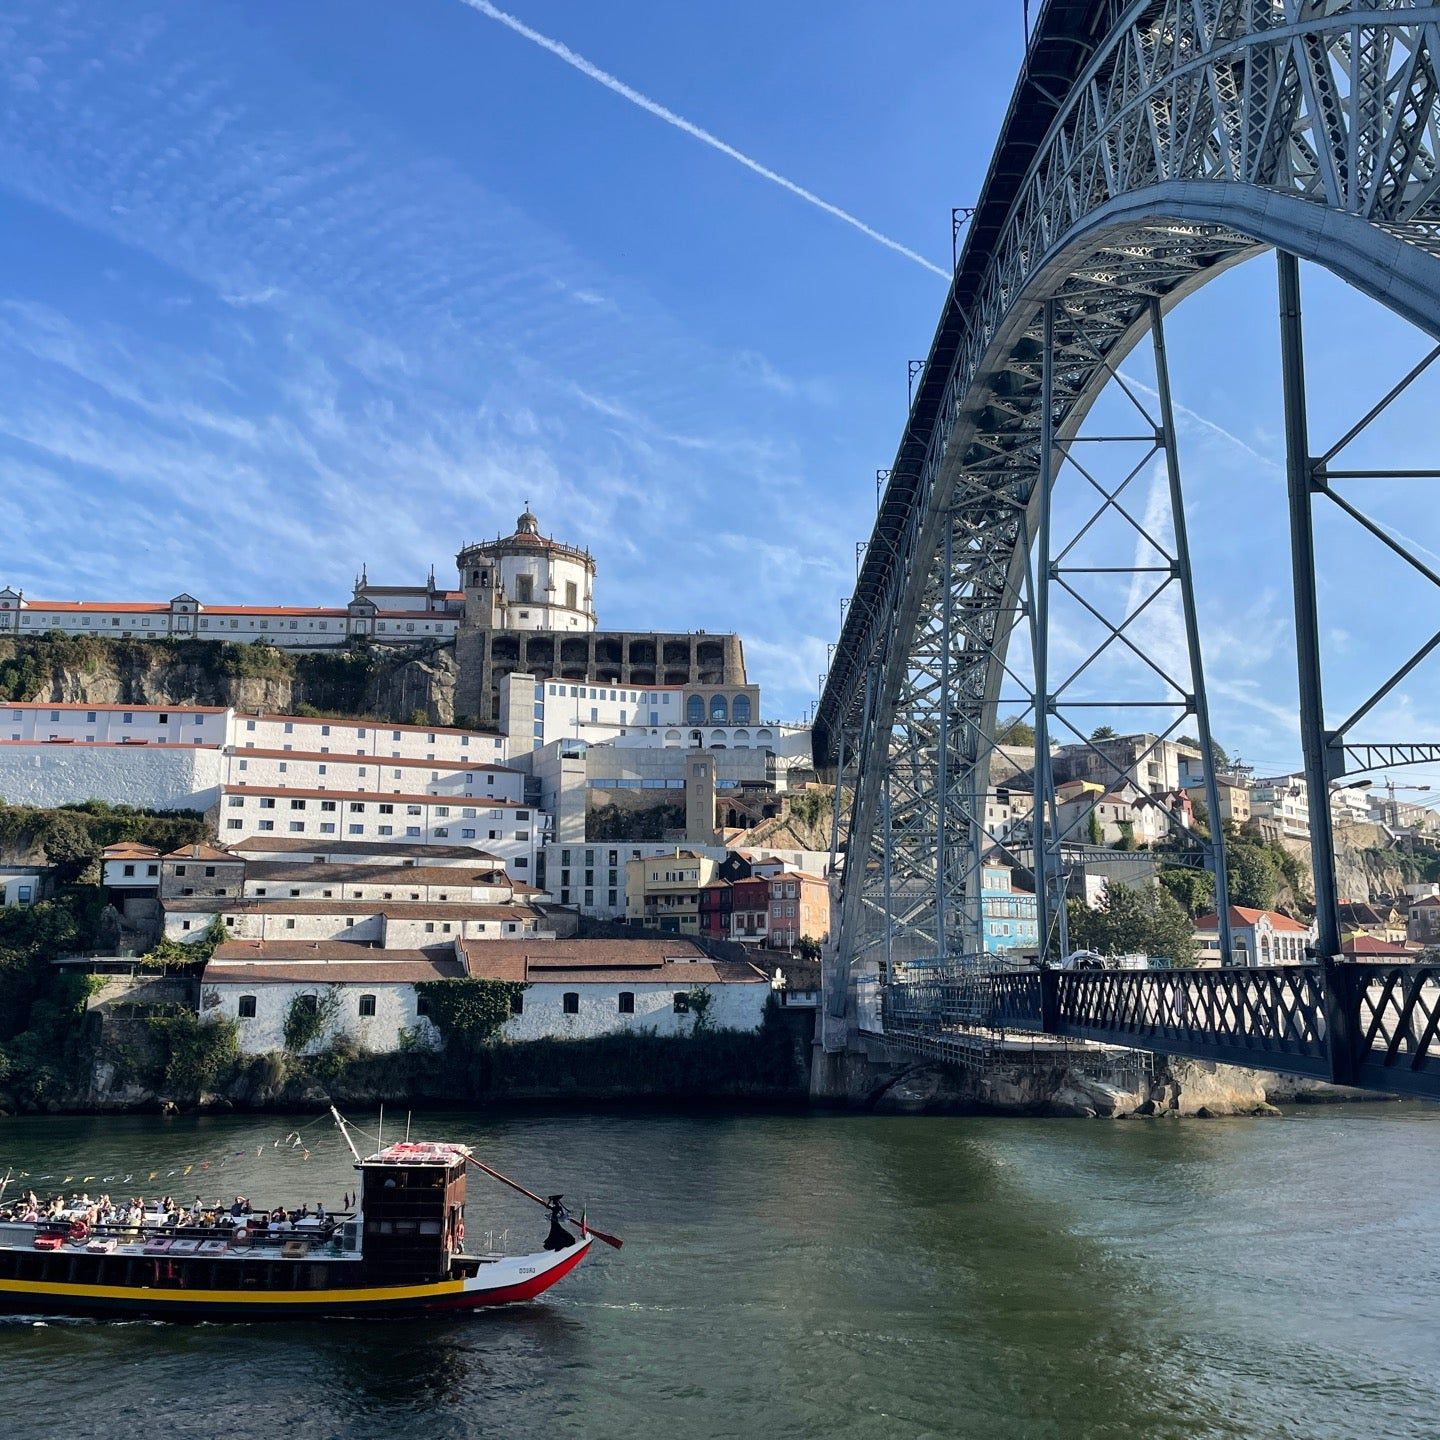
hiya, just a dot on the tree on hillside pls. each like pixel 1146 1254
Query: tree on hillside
pixel 1014 731
pixel 1222 757
pixel 1134 920
pixel 1254 875
pixel 69 845
pixel 1194 889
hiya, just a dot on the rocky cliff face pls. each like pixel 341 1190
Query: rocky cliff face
pixel 1365 868
pixel 387 684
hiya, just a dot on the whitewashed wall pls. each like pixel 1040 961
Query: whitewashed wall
pixel 400 889
pixel 405 742
pixel 408 934
pixel 734 1007
pixel 372 929
pixel 247 925
pixel 545 569
pixel 172 778
pixel 394 1012
pixel 449 779
pixel 499 830
pixel 115 723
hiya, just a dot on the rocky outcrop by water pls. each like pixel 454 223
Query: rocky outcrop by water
pixel 1029 1085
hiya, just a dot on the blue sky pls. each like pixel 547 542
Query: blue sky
pixel 289 288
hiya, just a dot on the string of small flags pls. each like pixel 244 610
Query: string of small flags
pixel 138 1174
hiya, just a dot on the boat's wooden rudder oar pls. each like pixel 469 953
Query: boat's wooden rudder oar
pixel 540 1200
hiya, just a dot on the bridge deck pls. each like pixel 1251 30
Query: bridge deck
pixel 1370 1026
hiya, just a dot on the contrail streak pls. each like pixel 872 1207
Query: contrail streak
pixel 1204 422
pixel 653 107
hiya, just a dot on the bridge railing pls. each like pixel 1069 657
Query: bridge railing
pixel 1372 1025
pixel 1394 1012
pixel 1235 1016
pixel 1376 1026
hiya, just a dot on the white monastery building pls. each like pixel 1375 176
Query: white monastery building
pixel 288 627
pixel 524 582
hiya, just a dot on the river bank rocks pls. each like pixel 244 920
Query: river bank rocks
pixel 1178 1088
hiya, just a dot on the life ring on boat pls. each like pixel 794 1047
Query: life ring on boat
pixel 79 1231
pixel 241 1238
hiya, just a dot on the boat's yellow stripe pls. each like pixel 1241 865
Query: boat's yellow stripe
pixel 230 1297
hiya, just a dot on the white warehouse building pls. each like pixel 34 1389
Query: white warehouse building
pixel 504 828
pixel 580 989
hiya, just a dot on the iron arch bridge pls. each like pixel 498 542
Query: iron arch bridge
pixel 1149 145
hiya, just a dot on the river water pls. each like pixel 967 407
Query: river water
pixel 794 1275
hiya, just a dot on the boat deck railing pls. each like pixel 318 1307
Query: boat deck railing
pixel 257 1233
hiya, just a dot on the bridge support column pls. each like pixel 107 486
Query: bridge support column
pixel 942 744
pixel 1199 701
pixel 1320 760
pixel 1044 821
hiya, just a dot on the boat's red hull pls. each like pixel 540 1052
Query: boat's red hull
pixel 505 1283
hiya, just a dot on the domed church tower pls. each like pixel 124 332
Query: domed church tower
pixel 527 581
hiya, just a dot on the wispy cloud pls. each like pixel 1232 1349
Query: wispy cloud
pixel 364 346
pixel 688 127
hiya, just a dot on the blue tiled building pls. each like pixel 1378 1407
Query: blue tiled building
pixel 1009 914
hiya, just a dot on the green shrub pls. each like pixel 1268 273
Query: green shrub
pixel 199 1052
pixel 173 955
pixel 468 1011
pixel 310 1017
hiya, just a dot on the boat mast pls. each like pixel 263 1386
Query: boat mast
pixel 340 1121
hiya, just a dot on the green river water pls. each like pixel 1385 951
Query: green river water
pixel 803 1275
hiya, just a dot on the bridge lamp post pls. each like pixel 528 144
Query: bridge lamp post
pixel 959 214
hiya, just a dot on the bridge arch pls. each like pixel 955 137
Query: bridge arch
pixel 1199 133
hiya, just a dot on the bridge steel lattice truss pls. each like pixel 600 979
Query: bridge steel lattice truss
pixel 1149 145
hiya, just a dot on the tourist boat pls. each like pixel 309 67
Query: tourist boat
pixel 402 1251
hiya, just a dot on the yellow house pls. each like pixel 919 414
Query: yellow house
pixel 663 892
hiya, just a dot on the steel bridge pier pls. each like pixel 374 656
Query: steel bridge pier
pixel 1149 145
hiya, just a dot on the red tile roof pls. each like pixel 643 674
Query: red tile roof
pixel 204 852
pixel 326 757
pixel 1242 916
pixel 162 607
pixel 484 802
pixel 334 962
pixel 1372 945
pixel 279 872
pixel 76 743
pixel 325 845
pixel 669 962
pixel 113 709
pixel 394 909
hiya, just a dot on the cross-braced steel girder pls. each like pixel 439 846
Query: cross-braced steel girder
pixel 1182 137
